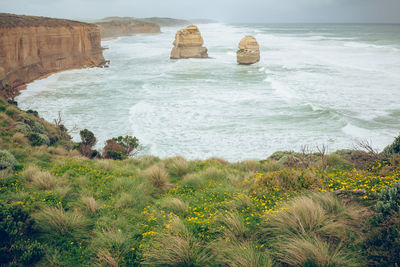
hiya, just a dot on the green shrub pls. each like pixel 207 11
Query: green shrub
pixel 23 128
pixel 33 112
pixel 7 160
pixel 88 141
pixel 115 155
pixel 393 149
pixel 17 247
pixel 389 201
pixel 11 111
pixel 88 137
pixel 382 243
pixel 2 108
pixel 131 144
pixel 37 139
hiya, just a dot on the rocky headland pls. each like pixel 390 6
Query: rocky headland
pixel 35 47
pixel 188 44
pixel 249 51
pixel 113 27
pixel 166 22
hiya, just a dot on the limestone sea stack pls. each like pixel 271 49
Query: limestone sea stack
pixel 188 44
pixel 249 51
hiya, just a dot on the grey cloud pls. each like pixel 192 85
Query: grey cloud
pixel 269 11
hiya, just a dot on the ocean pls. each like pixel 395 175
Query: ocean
pixel 316 84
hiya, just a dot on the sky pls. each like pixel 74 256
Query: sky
pixel 234 11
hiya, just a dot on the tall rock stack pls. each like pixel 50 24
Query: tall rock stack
pixel 249 51
pixel 188 44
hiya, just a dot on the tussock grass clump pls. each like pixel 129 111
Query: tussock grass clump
pixel 40 179
pixel 238 254
pixel 318 215
pixel 176 247
pixel 20 138
pixel 112 245
pixel 59 151
pixel 314 252
pixel 136 197
pixel 106 164
pixel 146 161
pixel 104 258
pixel 308 231
pixel 91 204
pixel 214 174
pixel 56 222
pixel 194 181
pixel 248 165
pixel 175 205
pixel 177 166
pixel 233 227
pixel 158 176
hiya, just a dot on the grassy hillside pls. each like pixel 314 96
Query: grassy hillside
pixel 59 208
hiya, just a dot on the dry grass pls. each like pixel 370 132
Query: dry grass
pixel 177 166
pixel 40 179
pixel 106 164
pixel 59 151
pixel 248 165
pixel 146 161
pixel 75 154
pixel 91 205
pixel 20 138
pixel 104 258
pixel 158 176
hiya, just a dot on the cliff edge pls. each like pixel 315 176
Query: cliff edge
pixel 34 47
pixel 113 27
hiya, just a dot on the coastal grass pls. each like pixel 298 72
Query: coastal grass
pixel 175 212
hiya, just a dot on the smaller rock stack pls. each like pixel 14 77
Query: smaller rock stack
pixel 249 51
pixel 188 44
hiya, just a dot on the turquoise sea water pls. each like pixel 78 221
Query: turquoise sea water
pixel 315 84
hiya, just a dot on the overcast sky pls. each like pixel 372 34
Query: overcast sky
pixel 241 11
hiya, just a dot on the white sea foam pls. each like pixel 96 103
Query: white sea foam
pixel 330 86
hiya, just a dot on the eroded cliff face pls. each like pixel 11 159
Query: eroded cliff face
pixel 125 27
pixel 34 47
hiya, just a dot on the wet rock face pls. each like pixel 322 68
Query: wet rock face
pixel 188 44
pixel 34 47
pixel 249 51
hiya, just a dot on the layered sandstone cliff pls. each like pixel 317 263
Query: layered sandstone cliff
pixel 116 27
pixel 188 44
pixel 249 51
pixel 34 47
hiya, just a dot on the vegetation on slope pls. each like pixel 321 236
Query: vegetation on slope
pixel 60 208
